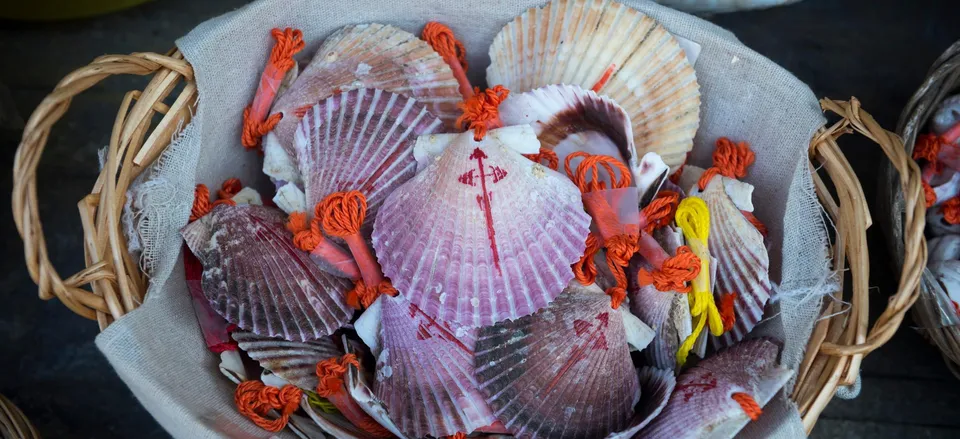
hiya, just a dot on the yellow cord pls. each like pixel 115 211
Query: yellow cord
pixel 693 217
pixel 320 403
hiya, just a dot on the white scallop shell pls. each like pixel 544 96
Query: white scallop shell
pixel 562 372
pixel 370 56
pixel 481 235
pixel 946 115
pixel 702 406
pixel 577 41
pixel 360 140
pixel 943 248
pixel 293 361
pixel 257 279
pixel 564 116
pixel 743 266
pixel 425 373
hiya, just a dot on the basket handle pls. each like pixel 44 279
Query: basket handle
pixel 115 279
pixel 839 343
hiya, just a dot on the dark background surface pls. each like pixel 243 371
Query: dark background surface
pixel 877 50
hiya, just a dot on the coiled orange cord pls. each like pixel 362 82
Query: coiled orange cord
pixel 585 270
pixel 552 161
pixel 951 210
pixel 201 198
pixel 620 249
pixel 457 435
pixel 929 195
pixel 675 177
pixel 727 311
pixel 481 111
pixel 255 400
pixel 255 123
pixel 660 211
pixel 342 214
pixel 748 404
pixel 330 374
pixel 730 160
pixel 441 38
pixel 675 272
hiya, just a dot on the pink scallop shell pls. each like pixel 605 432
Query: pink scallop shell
pixel 482 235
pixel 743 265
pixel 360 140
pixel 562 372
pixel 370 56
pixel 257 279
pixel 702 404
pixel 425 373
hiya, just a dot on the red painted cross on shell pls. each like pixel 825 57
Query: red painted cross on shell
pixel 483 200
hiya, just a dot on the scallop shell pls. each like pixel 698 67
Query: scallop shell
pixel 360 140
pixel 370 56
pixel 946 115
pixel 568 118
pixel 702 405
pixel 743 265
pixel 944 248
pixel 257 279
pixel 667 312
pixel 482 235
pixel 334 424
pixel 580 42
pixel 938 226
pixel 425 373
pixel 294 361
pixel 656 385
pixel 562 372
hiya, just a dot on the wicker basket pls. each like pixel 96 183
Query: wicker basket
pixel 13 423
pixel 942 80
pixel 836 348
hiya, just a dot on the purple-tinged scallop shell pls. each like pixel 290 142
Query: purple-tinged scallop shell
pixel 703 404
pixel 293 361
pixel 559 111
pixel 743 265
pixel 564 372
pixel 370 56
pixel 481 235
pixel 360 140
pixel 425 373
pixel 256 278
pixel 656 385
pixel 609 47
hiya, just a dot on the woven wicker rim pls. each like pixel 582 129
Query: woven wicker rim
pixel 943 79
pixel 13 423
pixel 836 348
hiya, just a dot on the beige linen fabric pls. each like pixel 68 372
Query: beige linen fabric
pixel 158 349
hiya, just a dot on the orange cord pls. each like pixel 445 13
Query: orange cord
pixel 585 270
pixel 201 198
pixel 730 160
pixel 607 74
pixel 255 400
pixel 457 435
pixel 553 162
pixel 951 210
pixel 289 42
pixel 748 404
pixel 620 249
pixel 727 311
pixel 590 167
pixel 675 177
pixel 362 296
pixel 927 148
pixel 755 221
pixel 661 210
pixel 306 235
pixel 928 194
pixel 441 38
pixel 330 374
pixel 480 111
pixel 342 213
pixel 443 41
pixel 675 272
